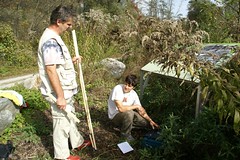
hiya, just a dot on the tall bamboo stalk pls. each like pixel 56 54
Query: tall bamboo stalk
pixel 91 135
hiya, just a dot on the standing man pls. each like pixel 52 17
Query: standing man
pixel 125 110
pixel 58 77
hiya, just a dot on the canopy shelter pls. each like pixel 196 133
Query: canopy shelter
pixel 216 53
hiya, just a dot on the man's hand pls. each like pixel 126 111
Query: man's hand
pixel 61 103
pixel 77 59
pixel 154 125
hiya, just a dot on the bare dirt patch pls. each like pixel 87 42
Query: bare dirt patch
pixel 105 136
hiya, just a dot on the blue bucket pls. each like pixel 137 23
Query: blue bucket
pixel 150 140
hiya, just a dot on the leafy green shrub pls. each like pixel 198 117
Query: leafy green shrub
pixel 24 55
pixel 197 139
pixel 184 136
pixel 221 88
pixel 20 130
pixel 13 52
pixel 171 136
pixel 164 96
pixel 31 123
pixel 147 154
pixel 3 70
pixel 33 97
pixel 7 42
pixel 205 138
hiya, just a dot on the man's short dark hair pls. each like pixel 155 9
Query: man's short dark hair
pixel 131 80
pixel 62 13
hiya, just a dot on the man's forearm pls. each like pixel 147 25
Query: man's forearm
pixel 145 115
pixel 124 108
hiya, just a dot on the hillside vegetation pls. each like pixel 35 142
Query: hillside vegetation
pixel 108 29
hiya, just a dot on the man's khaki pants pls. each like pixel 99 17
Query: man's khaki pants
pixel 129 120
pixel 63 130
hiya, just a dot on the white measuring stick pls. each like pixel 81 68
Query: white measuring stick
pixel 92 138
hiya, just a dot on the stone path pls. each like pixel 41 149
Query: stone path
pixel 26 79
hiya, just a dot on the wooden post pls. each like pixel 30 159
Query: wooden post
pixel 92 138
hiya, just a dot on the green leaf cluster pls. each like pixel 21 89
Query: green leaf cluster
pixel 7 42
pixel 221 88
pixel 219 18
pixel 29 123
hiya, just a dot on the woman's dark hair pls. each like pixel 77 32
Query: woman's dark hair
pixel 131 80
pixel 62 13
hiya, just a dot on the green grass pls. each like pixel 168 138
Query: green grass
pixel 13 71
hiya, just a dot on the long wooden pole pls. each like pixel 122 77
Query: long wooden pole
pixel 92 138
